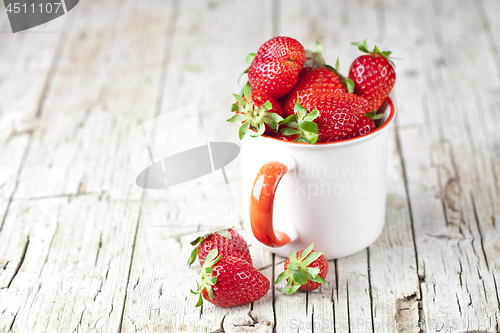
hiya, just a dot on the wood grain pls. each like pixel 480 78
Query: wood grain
pixel 82 248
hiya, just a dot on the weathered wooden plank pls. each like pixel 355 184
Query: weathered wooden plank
pixel 25 63
pixel 439 169
pixel 107 84
pixel 102 89
pixel 208 53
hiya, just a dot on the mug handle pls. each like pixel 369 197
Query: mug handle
pixel 261 205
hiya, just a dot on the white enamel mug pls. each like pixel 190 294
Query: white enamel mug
pixel 332 194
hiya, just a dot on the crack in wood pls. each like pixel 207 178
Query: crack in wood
pixel 21 260
pixel 370 291
pixel 131 262
pixel 479 229
pixel 98 248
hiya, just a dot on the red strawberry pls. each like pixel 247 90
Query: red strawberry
pixel 364 125
pixel 276 66
pixel 318 82
pixel 305 270
pixel 228 281
pixel 334 117
pixel 257 110
pixel 373 75
pixel 228 243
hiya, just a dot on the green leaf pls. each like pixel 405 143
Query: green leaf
pixel 308 126
pixel 200 301
pixel 193 256
pixel 337 63
pixel 211 280
pixel 299 277
pixel 349 85
pixel 240 100
pixel 280 277
pixel 289 119
pixel 197 240
pixel 312 139
pixel 300 139
pixel 208 270
pixel 318 279
pixel 260 130
pixel 250 58
pixel 311 258
pixel 313 271
pixel 293 289
pixel 373 115
pixel 319 48
pixel 210 257
pixel 292 267
pixel 274 116
pixel 293 257
pixel 267 106
pixel 248 93
pixel 361 46
pixel 312 115
pixel 288 285
pixel 273 124
pixel 244 129
pixel 225 233
pixel 299 110
pixel 239 77
pixel 386 53
pixel 236 107
pixel 289 131
pixel 237 118
pixel 306 252
pixel 210 291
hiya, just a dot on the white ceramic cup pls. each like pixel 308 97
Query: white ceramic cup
pixel 332 194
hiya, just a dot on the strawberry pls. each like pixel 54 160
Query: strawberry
pixel 364 125
pixel 305 270
pixel 229 281
pixel 276 66
pixel 256 110
pixel 228 242
pixel 373 74
pixel 334 117
pixel 318 82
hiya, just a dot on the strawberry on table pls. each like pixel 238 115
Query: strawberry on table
pixel 256 110
pixel 228 281
pixel 373 74
pixel 228 242
pixel 305 270
pixel 276 66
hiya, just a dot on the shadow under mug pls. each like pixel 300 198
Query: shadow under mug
pixel 332 194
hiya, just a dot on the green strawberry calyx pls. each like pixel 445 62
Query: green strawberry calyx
pixel 224 233
pixel 376 51
pixel 298 272
pixel 347 82
pixel 249 60
pixel 251 116
pixel 206 278
pixel 373 115
pixel 301 123
pixel 314 59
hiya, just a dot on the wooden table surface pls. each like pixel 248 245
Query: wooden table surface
pixel 82 248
